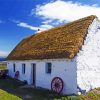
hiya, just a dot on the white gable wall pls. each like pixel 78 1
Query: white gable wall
pixel 88 59
pixel 62 68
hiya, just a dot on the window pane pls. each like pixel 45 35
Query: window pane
pixel 23 68
pixel 48 68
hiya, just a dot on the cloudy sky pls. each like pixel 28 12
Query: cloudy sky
pixel 21 18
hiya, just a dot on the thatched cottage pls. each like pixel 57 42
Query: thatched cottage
pixel 65 59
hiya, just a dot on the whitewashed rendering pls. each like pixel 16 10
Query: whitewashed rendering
pixel 80 73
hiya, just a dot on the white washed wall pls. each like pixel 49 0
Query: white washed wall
pixel 64 69
pixel 26 76
pixel 88 59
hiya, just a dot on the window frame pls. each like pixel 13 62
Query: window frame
pixel 48 67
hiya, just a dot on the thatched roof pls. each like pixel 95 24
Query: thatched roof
pixel 60 42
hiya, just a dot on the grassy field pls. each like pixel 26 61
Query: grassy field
pixel 14 89
pixel 3 66
pixel 7 96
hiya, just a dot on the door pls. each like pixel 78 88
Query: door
pixel 33 74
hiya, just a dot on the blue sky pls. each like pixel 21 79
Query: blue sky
pixel 21 18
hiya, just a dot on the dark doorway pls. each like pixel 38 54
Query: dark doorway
pixel 33 74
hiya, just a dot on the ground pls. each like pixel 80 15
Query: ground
pixel 17 91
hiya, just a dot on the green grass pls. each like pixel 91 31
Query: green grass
pixel 92 95
pixel 3 66
pixel 7 96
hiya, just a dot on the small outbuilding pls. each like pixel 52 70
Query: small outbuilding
pixel 65 59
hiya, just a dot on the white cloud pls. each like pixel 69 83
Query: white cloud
pixel 65 11
pixel 37 29
pixel 47 21
pixel 22 24
pixel 58 12
pixel 3 53
pixel 52 22
pixel 46 26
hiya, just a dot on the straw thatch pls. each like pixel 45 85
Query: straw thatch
pixel 60 42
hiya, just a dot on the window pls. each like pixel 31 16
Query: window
pixel 23 68
pixel 14 67
pixel 48 68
